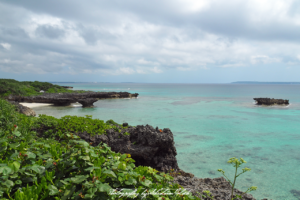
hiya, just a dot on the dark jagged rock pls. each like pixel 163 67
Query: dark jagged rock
pixel 65 99
pixel 147 146
pixel 67 87
pixel 23 109
pixel 125 124
pixel 219 188
pixel 88 102
pixel 269 101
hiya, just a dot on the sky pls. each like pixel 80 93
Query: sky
pixel 157 41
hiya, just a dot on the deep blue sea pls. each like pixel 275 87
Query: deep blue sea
pixel 212 123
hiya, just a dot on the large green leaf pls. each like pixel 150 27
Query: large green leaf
pixel 8 183
pixel 38 169
pixel 31 155
pixel 90 169
pixel 110 173
pixel 14 145
pixel 146 183
pixel 104 187
pixel 122 166
pixel 84 157
pixel 17 133
pixel 3 146
pixel 52 190
pixel 15 166
pixel 5 170
pixel 79 179
pixel 130 181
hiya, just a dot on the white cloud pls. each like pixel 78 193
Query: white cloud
pixel 126 70
pixel 6 46
pixel 263 59
pixel 194 5
pixel 156 70
pixel 233 65
pixel 183 35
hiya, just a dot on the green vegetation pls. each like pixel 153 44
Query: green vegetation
pixel 236 164
pixel 56 128
pixel 28 88
pixel 36 168
pixel 53 127
pixel 126 133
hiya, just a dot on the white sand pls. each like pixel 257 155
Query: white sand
pixel 33 105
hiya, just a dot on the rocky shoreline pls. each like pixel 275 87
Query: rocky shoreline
pixel 269 101
pixel 23 109
pixel 65 99
pixel 155 147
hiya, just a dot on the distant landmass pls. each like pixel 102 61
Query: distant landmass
pixel 257 82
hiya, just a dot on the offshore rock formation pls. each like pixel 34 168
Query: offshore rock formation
pixel 86 99
pixel 68 87
pixel 147 146
pixel 23 109
pixel 269 101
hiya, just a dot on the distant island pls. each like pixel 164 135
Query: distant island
pixel 271 83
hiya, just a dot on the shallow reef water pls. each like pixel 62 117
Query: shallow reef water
pixel 212 123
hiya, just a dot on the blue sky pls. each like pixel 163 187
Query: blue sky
pixel 160 41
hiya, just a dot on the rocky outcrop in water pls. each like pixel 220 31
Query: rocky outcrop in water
pixel 269 101
pixel 86 99
pixel 23 109
pixel 68 87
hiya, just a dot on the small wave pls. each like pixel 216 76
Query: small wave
pixel 126 98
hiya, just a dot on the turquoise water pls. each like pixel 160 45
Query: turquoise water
pixel 211 123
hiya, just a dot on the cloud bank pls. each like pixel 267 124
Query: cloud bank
pixel 147 37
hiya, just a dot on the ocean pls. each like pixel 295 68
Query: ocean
pixel 212 123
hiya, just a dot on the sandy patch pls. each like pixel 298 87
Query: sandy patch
pixel 33 105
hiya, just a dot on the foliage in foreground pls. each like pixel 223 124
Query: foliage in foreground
pixel 29 88
pixel 33 168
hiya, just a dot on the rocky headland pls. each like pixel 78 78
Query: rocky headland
pixel 269 101
pixel 64 99
pixel 155 147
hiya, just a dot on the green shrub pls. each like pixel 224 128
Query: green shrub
pixel 112 122
pixel 53 127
